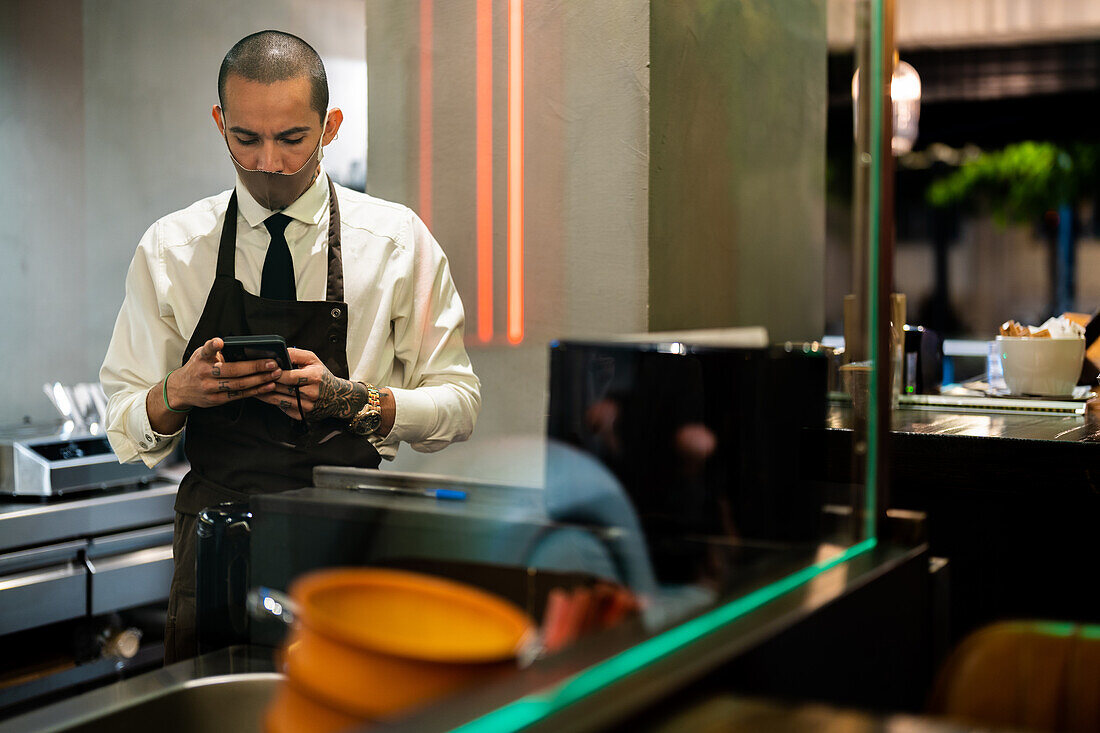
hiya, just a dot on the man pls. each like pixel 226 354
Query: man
pixel 356 285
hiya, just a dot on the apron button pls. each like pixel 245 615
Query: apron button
pixel 335 312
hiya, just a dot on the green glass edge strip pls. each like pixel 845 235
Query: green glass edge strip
pixel 530 709
pixel 878 370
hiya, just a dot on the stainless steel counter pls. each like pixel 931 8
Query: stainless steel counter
pixel 225 690
pixel 67 565
pixel 28 522
pixel 67 558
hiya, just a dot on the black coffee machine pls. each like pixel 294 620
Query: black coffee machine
pixel 705 440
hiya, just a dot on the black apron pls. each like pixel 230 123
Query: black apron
pixel 247 446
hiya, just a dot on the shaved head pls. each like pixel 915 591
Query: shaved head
pixel 271 56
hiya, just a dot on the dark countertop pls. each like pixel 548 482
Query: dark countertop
pixel 941 451
pixel 1012 499
pixel 1034 426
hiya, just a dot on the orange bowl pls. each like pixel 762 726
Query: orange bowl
pixel 376 642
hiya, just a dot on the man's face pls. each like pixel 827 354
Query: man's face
pixel 270 127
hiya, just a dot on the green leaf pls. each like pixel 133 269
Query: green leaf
pixel 1022 181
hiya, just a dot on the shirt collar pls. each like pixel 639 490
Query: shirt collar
pixel 308 208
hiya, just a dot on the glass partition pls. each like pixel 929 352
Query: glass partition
pixel 632 200
pixel 731 464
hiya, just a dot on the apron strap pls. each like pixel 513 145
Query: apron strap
pixel 335 292
pixel 227 250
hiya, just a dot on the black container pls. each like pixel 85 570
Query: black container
pixel 222 582
pixel 922 368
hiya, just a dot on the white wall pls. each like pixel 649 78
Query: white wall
pixel 104 127
pixel 43 289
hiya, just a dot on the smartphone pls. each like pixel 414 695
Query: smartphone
pixel 249 348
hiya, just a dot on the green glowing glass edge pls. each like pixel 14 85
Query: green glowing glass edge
pixel 1055 628
pixel 878 371
pixel 532 708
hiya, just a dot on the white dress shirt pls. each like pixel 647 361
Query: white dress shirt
pixel 405 319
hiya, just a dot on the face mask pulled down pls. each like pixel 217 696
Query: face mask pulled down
pixel 276 191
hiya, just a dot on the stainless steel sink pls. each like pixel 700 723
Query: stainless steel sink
pixel 224 691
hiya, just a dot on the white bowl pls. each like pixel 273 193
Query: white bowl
pixel 1041 366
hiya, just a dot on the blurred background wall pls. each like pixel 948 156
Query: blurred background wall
pixel 585 170
pixel 737 175
pixel 673 173
pixel 105 127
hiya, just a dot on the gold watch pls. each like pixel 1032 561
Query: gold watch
pixel 369 419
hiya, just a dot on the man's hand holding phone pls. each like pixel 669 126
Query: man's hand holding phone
pixel 311 392
pixel 318 391
pixel 208 380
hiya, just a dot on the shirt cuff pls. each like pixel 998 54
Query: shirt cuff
pixel 415 415
pixel 142 433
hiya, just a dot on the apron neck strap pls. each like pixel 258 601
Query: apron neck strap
pixel 335 291
pixel 227 249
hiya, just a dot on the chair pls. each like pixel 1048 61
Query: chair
pixel 1033 675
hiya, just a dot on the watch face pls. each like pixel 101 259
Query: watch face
pixel 366 422
pixel 372 421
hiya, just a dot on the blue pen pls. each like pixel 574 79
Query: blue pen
pixel 450 494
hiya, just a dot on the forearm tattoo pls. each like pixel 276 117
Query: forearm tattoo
pixel 338 398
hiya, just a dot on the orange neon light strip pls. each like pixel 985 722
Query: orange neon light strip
pixel 425 178
pixel 515 171
pixel 484 155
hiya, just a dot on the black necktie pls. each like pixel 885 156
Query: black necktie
pixel 278 277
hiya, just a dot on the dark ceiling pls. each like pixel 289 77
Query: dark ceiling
pixel 990 96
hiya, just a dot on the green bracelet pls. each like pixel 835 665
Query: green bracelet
pixel 170 408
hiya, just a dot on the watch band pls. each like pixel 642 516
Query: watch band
pixel 368 419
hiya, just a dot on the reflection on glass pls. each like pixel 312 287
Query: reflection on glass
pixel 708 461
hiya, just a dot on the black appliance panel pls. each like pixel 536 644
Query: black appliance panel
pixel 705 441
